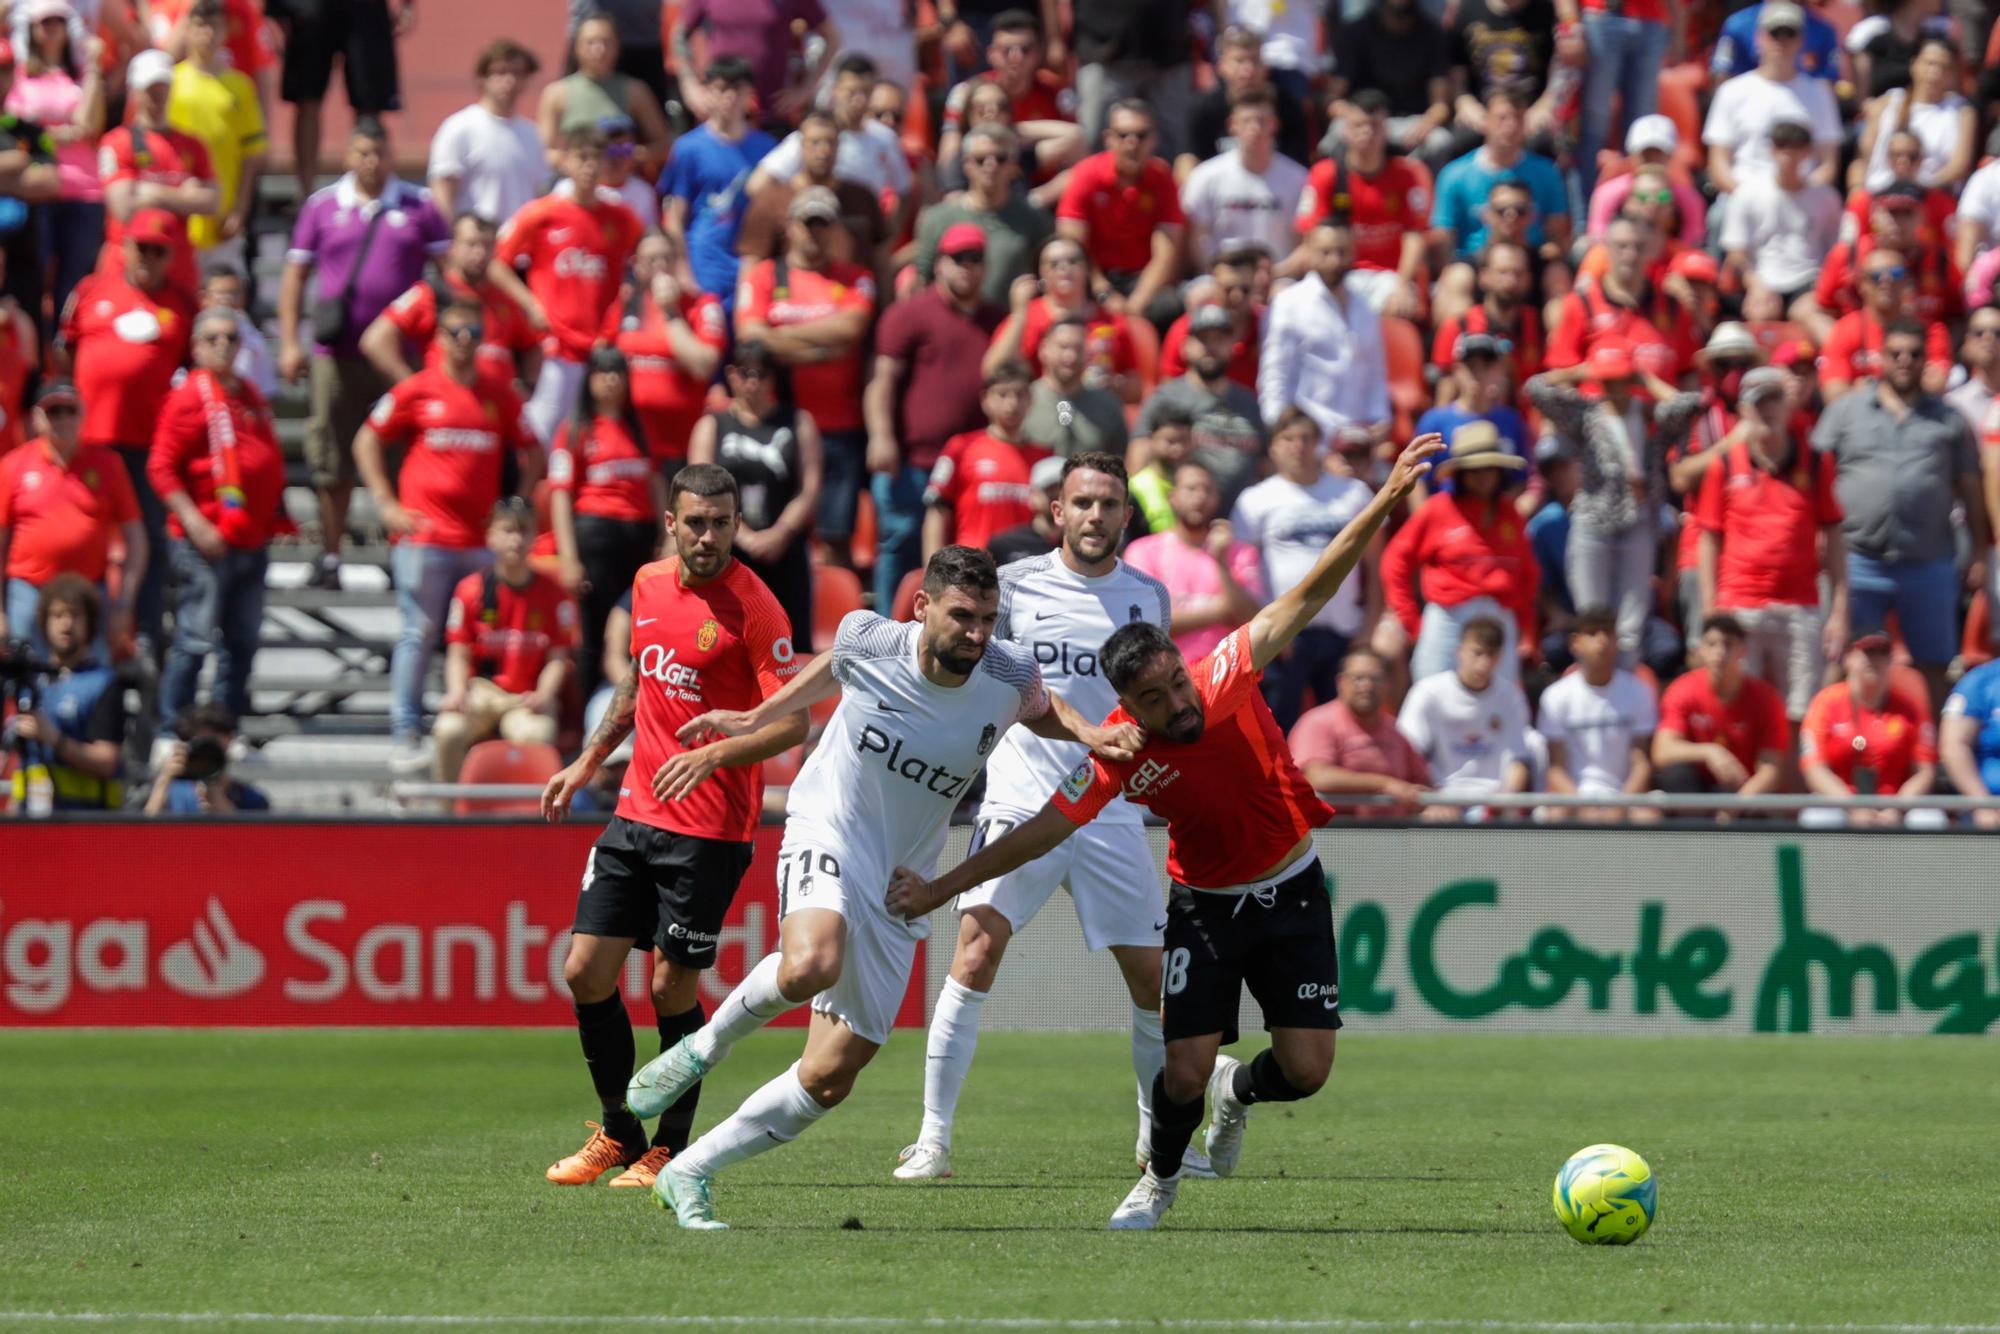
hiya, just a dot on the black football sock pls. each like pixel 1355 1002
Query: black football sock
pixel 676 1125
pixel 1262 1080
pixel 1173 1126
pixel 608 1050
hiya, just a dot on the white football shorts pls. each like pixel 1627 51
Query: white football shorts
pixel 1108 869
pixel 881 950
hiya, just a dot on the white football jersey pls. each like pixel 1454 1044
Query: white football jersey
pixel 1062 618
pixel 900 751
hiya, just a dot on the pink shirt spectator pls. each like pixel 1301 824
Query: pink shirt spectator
pixel 1610 196
pixel 1979 279
pixel 1190 576
pixel 51 100
pixel 1331 734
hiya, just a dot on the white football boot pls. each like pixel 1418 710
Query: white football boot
pixel 1227 1118
pixel 923 1162
pixel 1194 1163
pixel 1148 1201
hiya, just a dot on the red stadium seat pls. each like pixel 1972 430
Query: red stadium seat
pixel 1408 393
pixel 1680 101
pixel 1906 680
pixel 1146 349
pixel 906 597
pixel 835 593
pixel 1979 645
pixel 861 548
pixel 498 762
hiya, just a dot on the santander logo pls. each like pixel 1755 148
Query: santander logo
pixel 214 963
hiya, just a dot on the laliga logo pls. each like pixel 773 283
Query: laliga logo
pixel 216 964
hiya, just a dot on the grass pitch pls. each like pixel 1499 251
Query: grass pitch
pixel 1803 1183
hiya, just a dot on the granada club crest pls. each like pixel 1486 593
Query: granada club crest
pixel 986 738
pixel 704 638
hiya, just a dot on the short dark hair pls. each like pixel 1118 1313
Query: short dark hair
pixel 858 64
pixel 1907 327
pixel 819 117
pixel 500 51
pixel 1790 134
pixel 1168 413
pixel 1484 632
pixel 1240 255
pixel 460 305
pixel 1294 415
pixel 70 589
pixel 1011 371
pixel 1595 621
pixel 705 480
pixel 585 136
pixel 208 11
pixel 1492 248
pixel 1370 102
pixel 209 719
pixel 1132 648
pixel 1509 94
pixel 1256 95
pixel 1095 460
pixel 1067 322
pixel 733 70
pixel 1722 623
pixel 1017 20
pixel 960 566
pixel 513 512
pixel 369 127
pixel 1236 37
pixel 484 223
pixel 1367 653
pixel 1137 106
pixel 754 354
pixel 1509 183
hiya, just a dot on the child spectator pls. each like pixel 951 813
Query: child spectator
pixel 1721 729
pixel 1599 720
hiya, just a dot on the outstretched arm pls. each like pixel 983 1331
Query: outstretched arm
pixel 1063 723
pixel 1275 627
pixel 911 896
pixel 808 688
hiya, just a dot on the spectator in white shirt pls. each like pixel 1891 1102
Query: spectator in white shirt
pixel 223 286
pixel 1249 193
pixel 1599 721
pixel 1470 725
pixel 1779 228
pixel 869 152
pixel 1738 128
pixel 1290 517
pixel 484 158
pixel 1977 224
pixel 1323 344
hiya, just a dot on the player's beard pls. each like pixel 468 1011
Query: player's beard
pixel 1186 726
pixel 1091 548
pixel 704 563
pixel 961 660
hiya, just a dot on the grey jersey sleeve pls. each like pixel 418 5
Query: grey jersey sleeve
pixel 1016 667
pixel 1160 591
pixel 865 637
pixel 1011 578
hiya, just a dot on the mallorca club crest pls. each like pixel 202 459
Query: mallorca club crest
pixel 704 638
pixel 986 738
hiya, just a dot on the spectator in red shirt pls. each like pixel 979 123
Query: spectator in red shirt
pixel 1503 311
pixel 1721 729
pixel 574 248
pixel 1040 103
pixel 465 441
pixel 147 164
pixel 510 347
pixel 815 316
pixel 508 641
pixel 1062 289
pixel 217 465
pixel 927 353
pixel 124 335
pixel 1863 738
pixel 62 502
pixel 1766 505
pixel 1384 197
pixel 1620 307
pixel 981 484
pixel 606 499
pixel 1853 351
pixel 1351 743
pixel 1898 222
pixel 1232 285
pixel 673 334
pixel 1123 207
pixel 1466 554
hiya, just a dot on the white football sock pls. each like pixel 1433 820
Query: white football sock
pixel 948 1059
pixel 755 1003
pixel 1149 1057
pixel 775 1114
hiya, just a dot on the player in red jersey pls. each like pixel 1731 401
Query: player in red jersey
pixel 1248 904
pixel 574 248
pixel 706 634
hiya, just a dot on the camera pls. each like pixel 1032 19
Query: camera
pixel 19 665
pixel 205 759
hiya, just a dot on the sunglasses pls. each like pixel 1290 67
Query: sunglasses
pixel 1510 210
pixel 817 222
pixel 149 251
pixel 1661 196
pixel 968 257
pixel 462 332
pixel 749 372
pixel 1130 136
pixel 1902 353
pixel 1783 34
pixel 887 117
pixel 59 409
pixel 228 338
pixel 983 160
pixel 1896 275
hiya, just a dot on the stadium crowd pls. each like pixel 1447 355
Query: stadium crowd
pixel 1718 385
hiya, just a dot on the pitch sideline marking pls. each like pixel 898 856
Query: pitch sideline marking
pixel 1358 1326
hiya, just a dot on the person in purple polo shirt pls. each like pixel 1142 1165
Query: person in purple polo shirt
pixel 364 240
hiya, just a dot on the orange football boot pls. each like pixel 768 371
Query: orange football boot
pixel 599 1154
pixel 643 1172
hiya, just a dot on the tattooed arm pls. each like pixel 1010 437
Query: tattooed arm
pixel 617 725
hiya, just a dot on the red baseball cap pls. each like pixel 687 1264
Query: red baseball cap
pixel 1792 352
pixel 1611 363
pixel 961 237
pixel 1697 266
pixel 1872 641
pixel 154 226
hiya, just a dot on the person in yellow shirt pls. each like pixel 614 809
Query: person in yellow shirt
pixel 218 105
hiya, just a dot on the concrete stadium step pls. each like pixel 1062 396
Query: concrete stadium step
pixel 330 599
pixel 259 728
pixel 319 683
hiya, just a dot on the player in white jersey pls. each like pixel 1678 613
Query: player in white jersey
pixel 1059 607
pixel 923 707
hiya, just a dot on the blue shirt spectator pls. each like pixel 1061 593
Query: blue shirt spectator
pixel 1548 534
pixel 1463 185
pixel 1736 47
pixel 1974 707
pixel 184 797
pixel 703 184
pixel 1447 419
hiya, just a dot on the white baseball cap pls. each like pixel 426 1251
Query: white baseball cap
pixel 149 69
pixel 1652 132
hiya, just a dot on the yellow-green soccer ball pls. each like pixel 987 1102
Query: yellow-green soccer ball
pixel 1605 1195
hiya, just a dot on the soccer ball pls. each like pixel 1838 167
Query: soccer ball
pixel 1605 1195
